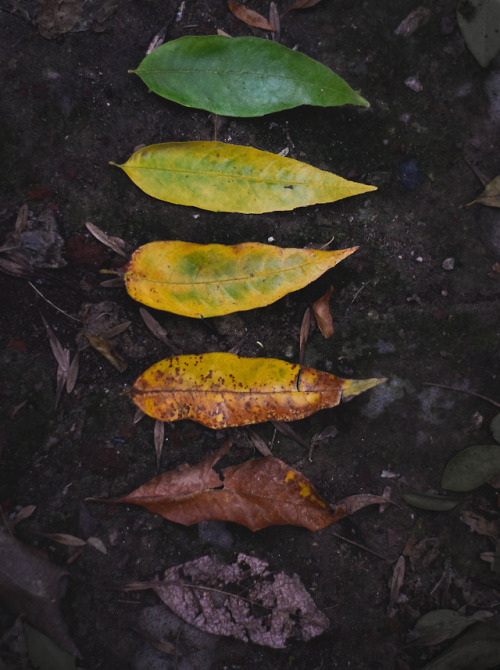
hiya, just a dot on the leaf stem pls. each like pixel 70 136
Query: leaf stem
pixel 455 388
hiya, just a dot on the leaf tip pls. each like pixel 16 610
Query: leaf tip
pixel 354 387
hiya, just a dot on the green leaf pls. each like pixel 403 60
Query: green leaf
pixel 479 22
pixel 477 649
pixel 243 76
pixel 431 501
pixel 439 625
pixel 230 178
pixel 44 653
pixel 204 280
pixel 471 468
pixel 495 427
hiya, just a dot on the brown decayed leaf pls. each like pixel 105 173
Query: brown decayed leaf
pixel 220 390
pixel 321 309
pixel 243 599
pixel 250 17
pixel 257 493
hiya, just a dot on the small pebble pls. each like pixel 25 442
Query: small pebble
pixel 414 83
pixel 448 264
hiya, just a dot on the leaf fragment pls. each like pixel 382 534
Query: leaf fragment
pixel 471 468
pixel 220 390
pixel 241 76
pixel 229 178
pixel 205 280
pixel 250 17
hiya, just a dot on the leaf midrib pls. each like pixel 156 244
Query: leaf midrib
pixel 257 275
pixel 258 75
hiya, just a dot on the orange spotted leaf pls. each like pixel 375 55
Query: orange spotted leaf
pixel 220 390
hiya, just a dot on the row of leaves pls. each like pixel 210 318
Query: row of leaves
pixel 234 77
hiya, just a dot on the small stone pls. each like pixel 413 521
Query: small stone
pixel 414 83
pixel 448 264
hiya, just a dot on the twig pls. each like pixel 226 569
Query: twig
pixel 360 546
pixel 52 304
pixel 454 388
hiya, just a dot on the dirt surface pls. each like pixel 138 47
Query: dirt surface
pixel 417 303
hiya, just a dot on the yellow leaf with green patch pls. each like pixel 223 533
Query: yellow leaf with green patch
pixel 203 280
pixel 220 390
pixel 229 178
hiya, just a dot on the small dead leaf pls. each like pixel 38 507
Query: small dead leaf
pixel 29 586
pixel 321 309
pixel 478 524
pixel 250 17
pixel 22 515
pixel 159 439
pixel 305 330
pixel 274 20
pixel 416 18
pixel 243 599
pixel 352 504
pixel 491 194
pixel 115 243
pixel 157 330
pixel 303 4
pixel 259 443
pixel 397 580
pixel 97 544
pixel 63 538
pixel 104 347
pixel 286 429
pixel 73 373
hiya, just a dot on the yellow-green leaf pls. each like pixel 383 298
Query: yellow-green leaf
pixel 491 194
pixel 230 178
pixel 220 390
pixel 203 280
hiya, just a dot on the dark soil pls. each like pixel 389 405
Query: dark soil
pixel 69 107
